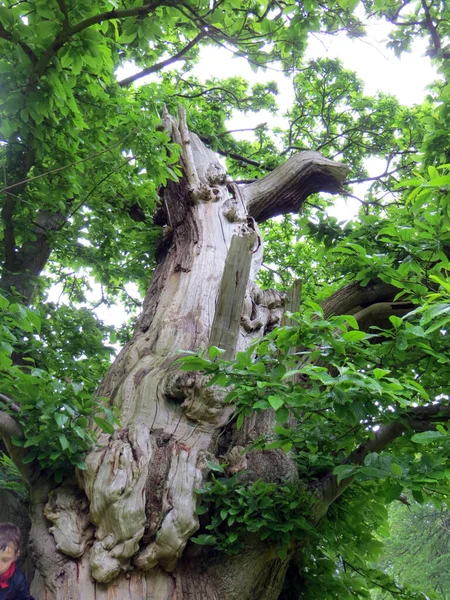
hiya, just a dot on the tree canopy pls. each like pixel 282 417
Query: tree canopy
pixel 418 548
pixel 356 377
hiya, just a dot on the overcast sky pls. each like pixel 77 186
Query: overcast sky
pixel 405 77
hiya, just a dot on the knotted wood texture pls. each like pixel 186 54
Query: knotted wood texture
pixel 139 487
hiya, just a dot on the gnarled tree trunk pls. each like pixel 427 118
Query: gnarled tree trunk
pixel 122 529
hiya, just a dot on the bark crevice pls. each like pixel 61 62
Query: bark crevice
pixel 140 482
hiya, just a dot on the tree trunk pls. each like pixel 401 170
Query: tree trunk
pixel 121 529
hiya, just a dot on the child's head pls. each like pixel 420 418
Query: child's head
pixel 9 545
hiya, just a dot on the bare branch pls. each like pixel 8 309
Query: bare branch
pixel 423 418
pixel 9 402
pixel 287 187
pixel 378 314
pixel 353 297
pixel 233 155
pixel 431 28
pixel 186 150
pixel 385 174
pixel 164 63
pixel 8 426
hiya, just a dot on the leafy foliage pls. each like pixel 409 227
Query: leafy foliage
pixel 11 478
pixel 54 413
pixel 332 387
pixel 274 513
pixel 417 550
pixel 341 564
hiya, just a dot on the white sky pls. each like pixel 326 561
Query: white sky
pixel 406 78
pixel 378 67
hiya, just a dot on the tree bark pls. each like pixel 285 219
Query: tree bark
pixel 121 529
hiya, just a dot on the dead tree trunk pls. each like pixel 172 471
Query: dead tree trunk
pixel 121 530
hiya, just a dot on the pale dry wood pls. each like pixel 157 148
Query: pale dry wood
pixel 140 483
pixel 293 302
pixel 287 187
pixel 225 327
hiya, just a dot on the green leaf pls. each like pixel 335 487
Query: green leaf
pixel 344 471
pixel 275 402
pixel 61 419
pixel 240 420
pixel 63 441
pixel 201 510
pixel 420 389
pixel 351 321
pixel 261 404
pixel 215 466
pixel 396 321
pixel 353 336
pixel 435 311
pixel 214 352
pixel 427 437
pixel 190 363
pixel 393 492
pixel 204 540
pixel 396 469
pixel 29 458
pixel 282 415
pixel 290 374
pixel 433 172
pixel 127 38
pixel 379 373
pixel 104 425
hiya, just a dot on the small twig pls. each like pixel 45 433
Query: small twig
pixel 163 63
pixel 283 279
pixel 10 403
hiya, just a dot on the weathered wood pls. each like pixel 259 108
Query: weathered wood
pixel 140 483
pixel 293 302
pixel 287 187
pixel 225 327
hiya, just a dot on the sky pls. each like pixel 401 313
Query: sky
pixel 406 78
pixel 378 67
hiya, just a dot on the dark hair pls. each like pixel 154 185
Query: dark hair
pixel 9 536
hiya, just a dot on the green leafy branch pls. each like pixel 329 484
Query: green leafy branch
pixel 234 510
pixel 50 421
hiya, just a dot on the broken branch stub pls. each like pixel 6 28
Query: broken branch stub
pixel 225 327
